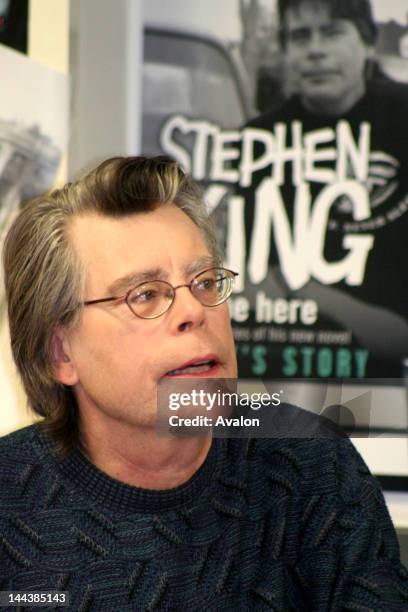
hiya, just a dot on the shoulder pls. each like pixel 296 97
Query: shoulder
pixel 20 447
pixel 387 92
pixel 325 477
pixel 22 438
pixel 323 464
pixel 18 440
pixel 21 458
pixel 388 87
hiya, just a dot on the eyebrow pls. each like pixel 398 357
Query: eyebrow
pixel 134 278
pixel 306 29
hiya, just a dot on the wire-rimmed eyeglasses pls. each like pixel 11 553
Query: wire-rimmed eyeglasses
pixel 152 299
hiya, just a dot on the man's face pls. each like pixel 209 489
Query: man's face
pixel 326 58
pixel 118 358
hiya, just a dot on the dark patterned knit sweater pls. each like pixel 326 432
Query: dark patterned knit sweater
pixel 273 525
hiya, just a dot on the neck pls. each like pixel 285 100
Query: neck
pixel 138 456
pixel 329 107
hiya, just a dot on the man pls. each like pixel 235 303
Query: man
pixel 328 46
pixel 332 200
pixel 110 288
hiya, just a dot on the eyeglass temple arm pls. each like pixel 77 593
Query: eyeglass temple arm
pixel 100 301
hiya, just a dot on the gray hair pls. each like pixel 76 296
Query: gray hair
pixel 44 279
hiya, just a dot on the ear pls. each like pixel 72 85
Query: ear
pixel 62 366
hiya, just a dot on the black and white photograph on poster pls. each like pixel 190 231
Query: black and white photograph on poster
pixel 33 133
pixel 292 114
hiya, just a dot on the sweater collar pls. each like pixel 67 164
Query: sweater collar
pixel 108 491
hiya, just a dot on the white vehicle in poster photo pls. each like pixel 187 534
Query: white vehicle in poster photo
pixel 192 72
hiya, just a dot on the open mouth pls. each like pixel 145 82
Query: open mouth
pixel 199 367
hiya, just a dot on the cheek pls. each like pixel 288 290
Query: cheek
pixel 115 372
pixel 224 327
pixel 100 348
pixel 223 313
pixel 293 60
pixel 354 59
pixel 361 65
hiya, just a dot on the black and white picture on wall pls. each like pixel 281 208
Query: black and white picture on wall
pixel 293 118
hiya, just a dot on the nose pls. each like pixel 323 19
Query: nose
pixel 186 312
pixel 316 47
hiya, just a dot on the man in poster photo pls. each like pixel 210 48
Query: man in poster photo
pixel 344 140
pixel 114 284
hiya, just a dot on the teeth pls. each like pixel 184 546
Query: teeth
pixel 195 369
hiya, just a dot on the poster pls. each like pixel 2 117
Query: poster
pixel 33 132
pixel 310 194
pixel 33 136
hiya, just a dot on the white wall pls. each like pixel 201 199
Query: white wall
pixel 106 56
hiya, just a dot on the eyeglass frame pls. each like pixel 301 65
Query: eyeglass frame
pixel 125 296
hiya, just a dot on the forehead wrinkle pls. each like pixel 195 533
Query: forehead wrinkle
pixel 136 278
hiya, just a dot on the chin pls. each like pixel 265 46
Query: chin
pixel 320 94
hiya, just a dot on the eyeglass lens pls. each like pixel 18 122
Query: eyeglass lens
pixel 152 299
